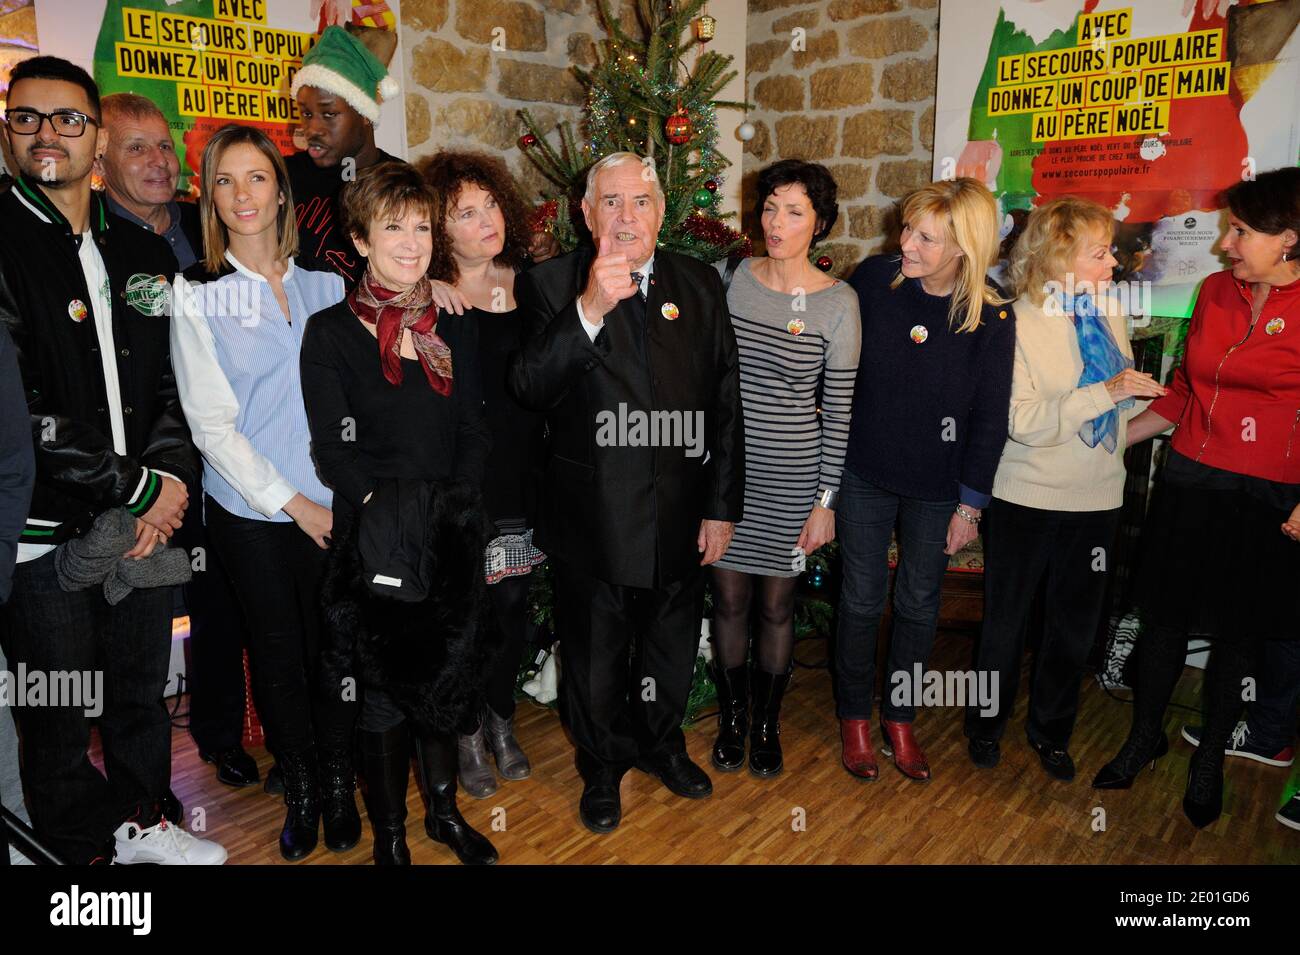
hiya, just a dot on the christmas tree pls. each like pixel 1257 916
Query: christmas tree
pixel 642 97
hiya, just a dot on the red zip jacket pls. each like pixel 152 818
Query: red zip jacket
pixel 1236 396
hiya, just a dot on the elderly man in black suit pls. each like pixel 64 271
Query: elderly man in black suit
pixel 630 351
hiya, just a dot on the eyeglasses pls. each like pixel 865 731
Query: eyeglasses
pixel 65 122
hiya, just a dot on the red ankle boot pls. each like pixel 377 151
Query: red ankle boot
pixel 907 754
pixel 858 756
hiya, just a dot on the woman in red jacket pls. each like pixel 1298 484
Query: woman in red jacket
pixel 1221 541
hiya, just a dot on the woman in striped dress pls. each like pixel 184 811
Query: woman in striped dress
pixel 797 330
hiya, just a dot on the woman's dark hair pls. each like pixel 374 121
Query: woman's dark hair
pixel 55 68
pixel 817 182
pixel 447 173
pixel 1270 202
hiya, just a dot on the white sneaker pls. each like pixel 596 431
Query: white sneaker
pixel 164 844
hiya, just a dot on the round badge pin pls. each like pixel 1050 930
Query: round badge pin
pixel 1275 325
pixel 919 333
pixel 669 311
pixel 795 326
pixel 77 310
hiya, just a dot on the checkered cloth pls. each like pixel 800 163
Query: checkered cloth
pixel 510 555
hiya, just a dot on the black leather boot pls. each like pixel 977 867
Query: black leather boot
pixel 302 804
pixel 765 738
pixel 386 759
pixel 338 787
pixel 436 757
pixel 733 716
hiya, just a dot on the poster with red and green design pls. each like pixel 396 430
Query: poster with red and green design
pixel 1150 108
pixel 211 62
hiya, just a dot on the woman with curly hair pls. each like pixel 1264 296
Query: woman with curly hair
pixel 480 242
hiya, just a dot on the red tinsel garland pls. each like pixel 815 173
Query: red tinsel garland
pixel 709 229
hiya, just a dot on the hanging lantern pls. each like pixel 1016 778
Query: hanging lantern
pixel 678 127
pixel 705 26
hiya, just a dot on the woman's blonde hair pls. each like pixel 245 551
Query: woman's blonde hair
pixel 216 238
pixel 1050 243
pixel 969 214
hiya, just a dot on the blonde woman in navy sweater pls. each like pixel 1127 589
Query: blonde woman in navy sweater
pixel 928 425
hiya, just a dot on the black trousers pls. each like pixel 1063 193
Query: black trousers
pixel 73 806
pixel 217 641
pixel 509 599
pixel 276 571
pixel 627 660
pixel 1022 545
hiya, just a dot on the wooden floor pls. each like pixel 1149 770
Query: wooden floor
pixel 816 813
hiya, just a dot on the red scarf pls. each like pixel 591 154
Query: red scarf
pixel 393 312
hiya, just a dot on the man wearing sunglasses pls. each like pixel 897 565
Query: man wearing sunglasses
pixel 84 295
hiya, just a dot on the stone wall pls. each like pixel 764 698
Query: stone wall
pixel 855 93
pixel 464 81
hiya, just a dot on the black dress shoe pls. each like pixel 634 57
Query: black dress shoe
pixel 1055 760
pixel 984 753
pixel 234 766
pixel 678 774
pixel 600 808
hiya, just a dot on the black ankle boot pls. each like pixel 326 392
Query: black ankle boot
pixel 338 788
pixel 765 738
pixel 436 756
pixel 1203 801
pixel 302 804
pixel 386 759
pixel 733 716
pixel 1143 746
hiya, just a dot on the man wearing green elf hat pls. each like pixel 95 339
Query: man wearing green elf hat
pixel 339 89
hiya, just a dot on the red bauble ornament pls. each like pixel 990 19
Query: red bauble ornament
pixel 824 263
pixel 527 140
pixel 711 185
pixel 678 127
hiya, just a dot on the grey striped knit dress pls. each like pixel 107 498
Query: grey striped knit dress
pixel 791 451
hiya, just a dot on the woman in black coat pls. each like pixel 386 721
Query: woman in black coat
pixel 395 408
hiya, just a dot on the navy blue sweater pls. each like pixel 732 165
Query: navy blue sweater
pixel 929 418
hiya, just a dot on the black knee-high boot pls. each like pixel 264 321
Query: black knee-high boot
pixel 1230 663
pixel 436 756
pixel 1161 653
pixel 386 758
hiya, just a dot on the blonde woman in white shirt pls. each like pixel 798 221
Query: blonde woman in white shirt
pixel 235 345
pixel 1060 483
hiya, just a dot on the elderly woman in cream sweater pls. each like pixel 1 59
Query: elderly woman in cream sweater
pixel 1060 483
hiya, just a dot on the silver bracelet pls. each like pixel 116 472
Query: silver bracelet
pixel 968 516
pixel 826 498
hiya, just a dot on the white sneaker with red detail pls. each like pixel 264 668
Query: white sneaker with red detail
pixel 164 844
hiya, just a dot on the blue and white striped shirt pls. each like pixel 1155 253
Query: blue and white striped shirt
pixel 236 364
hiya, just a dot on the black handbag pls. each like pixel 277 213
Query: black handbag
pixel 393 539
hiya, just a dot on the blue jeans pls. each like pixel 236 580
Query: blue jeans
pixel 1272 715
pixel 864 523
